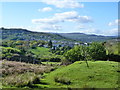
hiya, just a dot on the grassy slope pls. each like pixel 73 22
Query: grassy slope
pixel 41 51
pixel 101 74
pixel 44 53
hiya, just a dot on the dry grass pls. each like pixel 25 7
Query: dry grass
pixel 12 67
pixel 20 80
pixel 22 74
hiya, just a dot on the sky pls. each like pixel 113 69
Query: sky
pixel 62 16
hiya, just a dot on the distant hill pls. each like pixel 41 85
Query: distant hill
pixel 23 34
pixel 86 37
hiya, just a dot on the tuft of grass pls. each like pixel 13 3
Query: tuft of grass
pixel 63 80
pixel 21 80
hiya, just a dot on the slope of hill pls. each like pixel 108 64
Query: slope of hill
pixel 23 34
pixel 100 74
pixel 85 37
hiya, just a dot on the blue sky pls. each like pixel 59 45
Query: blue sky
pixel 99 18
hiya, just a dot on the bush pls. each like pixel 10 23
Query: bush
pixel 63 80
pixel 52 58
pixel 36 80
pixel 55 59
pixel 65 62
pixel 113 57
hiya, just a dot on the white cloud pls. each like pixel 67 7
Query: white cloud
pixel 49 27
pixel 45 21
pixel 64 3
pixel 112 32
pixel 80 26
pixel 50 23
pixel 46 9
pixel 84 19
pixel 89 31
pixel 65 16
pixel 114 23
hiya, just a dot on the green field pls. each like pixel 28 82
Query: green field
pixel 41 51
pixel 100 74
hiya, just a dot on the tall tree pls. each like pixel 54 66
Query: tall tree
pixel 50 44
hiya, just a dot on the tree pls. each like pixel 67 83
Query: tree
pixel 85 54
pixel 75 54
pixel 78 53
pixel 2 28
pixel 50 44
pixel 97 51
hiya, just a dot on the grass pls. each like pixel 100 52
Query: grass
pixel 55 63
pixel 44 54
pixel 13 67
pixel 41 51
pixel 21 80
pixel 18 74
pixel 100 74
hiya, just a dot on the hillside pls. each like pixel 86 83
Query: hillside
pixel 86 37
pixel 23 34
pixel 100 74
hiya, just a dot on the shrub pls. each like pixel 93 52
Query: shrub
pixel 36 80
pixel 55 59
pixel 112 57
pixel 63 80
pixel 65 62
